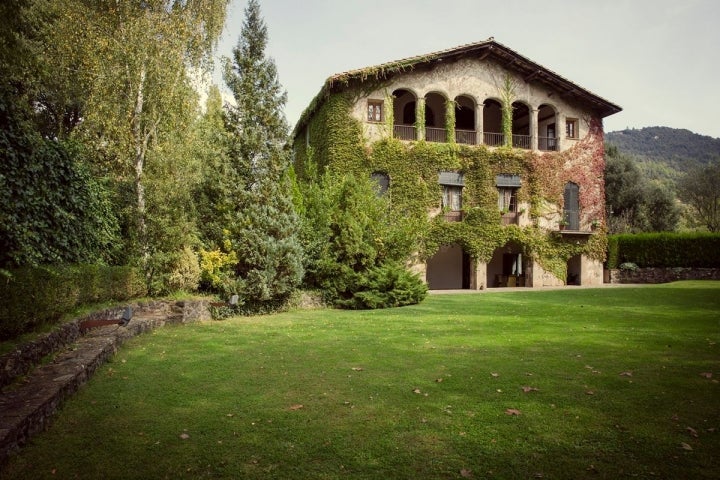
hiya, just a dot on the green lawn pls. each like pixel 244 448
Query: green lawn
pixel 614 377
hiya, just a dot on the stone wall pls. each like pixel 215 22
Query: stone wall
pixel 27 406
pixel 19 361
pixel 663 275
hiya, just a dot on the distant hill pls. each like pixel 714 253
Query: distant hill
pixel 676 147
pixel 665 153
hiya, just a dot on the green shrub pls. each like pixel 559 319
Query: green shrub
pixel 665 250
pixel 32 296
pixel 388 285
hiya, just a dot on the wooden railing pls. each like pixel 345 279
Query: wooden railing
pixel 433 134
pixel 404 132
pixel 454 216
pixel 521 141
pixel 510 218
pixel 548 144
pixel 493 139
pixel 468 137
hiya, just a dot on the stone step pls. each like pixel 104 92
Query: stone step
pixel 27 405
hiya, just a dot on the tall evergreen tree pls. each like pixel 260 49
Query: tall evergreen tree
pixel 263 228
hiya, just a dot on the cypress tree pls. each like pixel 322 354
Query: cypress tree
pixel 263 230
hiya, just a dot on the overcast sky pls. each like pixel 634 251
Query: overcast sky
pixel 658 59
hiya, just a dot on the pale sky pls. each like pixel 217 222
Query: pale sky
pixel 657 59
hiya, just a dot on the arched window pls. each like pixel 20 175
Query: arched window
pixel 382 181
pixel 571 208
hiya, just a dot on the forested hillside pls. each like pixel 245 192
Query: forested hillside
pixel 649 169
pixel 665 152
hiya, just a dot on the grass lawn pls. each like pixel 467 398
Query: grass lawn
pixel 565 384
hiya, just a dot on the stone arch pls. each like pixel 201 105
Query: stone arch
pixel 435 108
pixel 547 128
pixel 521 124
pixel 450 268
pixel 492 122
pixel 402 97
pixel 464 113
pixel 508 266
pixel 404 102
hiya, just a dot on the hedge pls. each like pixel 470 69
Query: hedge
pixel 32 296
pixel 665 250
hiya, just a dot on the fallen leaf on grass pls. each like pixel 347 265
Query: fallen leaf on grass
pixel 184 436
pixel 530 389
pixel 513 411
pixel 438 380
pixel 685 446
pixel 417 390
pixel 465 473
pixel 495 375
pixel 626 374
pixel 357 369
pixel 692 432
pixel 706 374
pixel 589 392
pixel 297 406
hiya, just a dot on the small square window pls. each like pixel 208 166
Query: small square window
pixel 375 111
pixel 571 128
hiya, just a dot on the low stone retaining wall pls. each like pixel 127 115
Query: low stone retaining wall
pixel 27 404
pixel 24 357
pixel 663 275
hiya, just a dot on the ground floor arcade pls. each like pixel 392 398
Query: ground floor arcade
pixel 452 268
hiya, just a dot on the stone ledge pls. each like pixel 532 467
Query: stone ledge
pixel 663 275
pixel 27 406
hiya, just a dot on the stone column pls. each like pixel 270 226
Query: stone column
pixel 420 113
pixel 479 108
pixel 534 132
pixel 560 131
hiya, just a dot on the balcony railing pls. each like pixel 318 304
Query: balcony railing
pixel 547 144
pixel 404 132
pixel 454 216
pixel 521 141
pixel 493 139
pixel 433 134
pixel 468 137
pixel 510 218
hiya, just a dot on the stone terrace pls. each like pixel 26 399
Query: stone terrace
pixel 31 391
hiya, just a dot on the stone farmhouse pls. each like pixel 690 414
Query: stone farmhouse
pixel 500 159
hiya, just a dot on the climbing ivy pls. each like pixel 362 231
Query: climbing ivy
pixel 338 145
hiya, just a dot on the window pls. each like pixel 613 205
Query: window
pixel 571 128
pixel 452 197
pixel 382 182
pixel 507 199
pixel 452 184
pixel 571 208
pixel 508 186
pixel 375 111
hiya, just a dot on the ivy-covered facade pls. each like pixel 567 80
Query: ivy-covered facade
pixel 498 160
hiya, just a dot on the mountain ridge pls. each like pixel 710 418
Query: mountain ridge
pixel 677 148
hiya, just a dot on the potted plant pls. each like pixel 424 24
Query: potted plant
pixel 563 223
